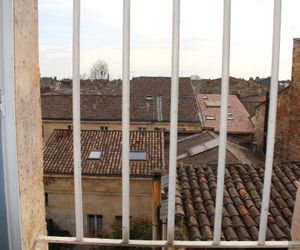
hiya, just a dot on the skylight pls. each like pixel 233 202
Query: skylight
pixel 210 117
pixel 95 155
pixel 137 155
pixel 149 97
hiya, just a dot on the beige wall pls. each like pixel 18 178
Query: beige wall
pixel 48 127
pixel 28 122
pixel 101 196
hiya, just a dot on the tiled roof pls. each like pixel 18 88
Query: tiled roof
pixel 87 87
pixel 238 120
pixel 58 152
pixel 235 153
pixel 160 86
pixel 103 102
pixel 109 108
pixel 196 194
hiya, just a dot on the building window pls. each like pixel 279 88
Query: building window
pixel 142 129
pixel 104 128
pixel 137 155
pixel 95 155
pixel 210 117
pixel 95 223
pixel 118 218
pixel 46 200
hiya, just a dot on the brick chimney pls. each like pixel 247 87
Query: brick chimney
pixel 294 119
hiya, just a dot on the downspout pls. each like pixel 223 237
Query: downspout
pixel 156 189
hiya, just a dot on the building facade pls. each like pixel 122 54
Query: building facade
pixel 101 177
pixel 287 146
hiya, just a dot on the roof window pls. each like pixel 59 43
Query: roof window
pixel 210 117
pixel 149 97
pixel 95 154
pixel 137 155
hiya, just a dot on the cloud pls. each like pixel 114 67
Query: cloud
pixel 151 36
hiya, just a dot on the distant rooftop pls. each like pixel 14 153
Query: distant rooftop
pixel 203 148
pixel 150 102
pixel 238 119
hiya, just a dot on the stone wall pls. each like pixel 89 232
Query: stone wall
pixel 28 123
pixel 294 125
pixel 101 196
pixel 287 144
pixel 49 126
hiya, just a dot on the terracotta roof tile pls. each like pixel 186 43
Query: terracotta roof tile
pixel 242 200
pixel 58 152
pixel 238 119
pixel 108 107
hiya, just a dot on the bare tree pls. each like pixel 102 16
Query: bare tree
pixel 99 70
pixel 83 76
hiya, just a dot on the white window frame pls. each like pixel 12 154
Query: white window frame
pixel 8 126
pixel 170 242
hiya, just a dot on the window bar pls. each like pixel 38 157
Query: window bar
pixel 223 125
pixel 271 122
pixel 125 120
pixel 76 120
pixel 173 119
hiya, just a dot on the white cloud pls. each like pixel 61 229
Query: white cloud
pixel 201 36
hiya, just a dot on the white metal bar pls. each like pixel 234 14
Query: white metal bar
pixel 173 120
pixel 76 120
pixel 271 122
pixel 8 126
pixel 223 121
pixel 163 243
pixel 125 120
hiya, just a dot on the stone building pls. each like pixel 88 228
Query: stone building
pixel 101 109
pixel 287 146
pixel 101 177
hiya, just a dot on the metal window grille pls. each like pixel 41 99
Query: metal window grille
pixel 79 239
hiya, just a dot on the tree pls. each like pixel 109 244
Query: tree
pixel 140 229
pixel 83 76
pixel 55 230
pixel 99 70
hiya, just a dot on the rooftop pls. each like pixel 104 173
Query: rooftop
pixel 203 148
pixel 238 119
pixel 58 153
pixel 109 108
pixel 196 194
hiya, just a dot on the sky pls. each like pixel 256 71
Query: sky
pixel 151 37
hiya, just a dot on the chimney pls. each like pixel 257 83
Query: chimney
pixel 159 108
pixel 294 105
